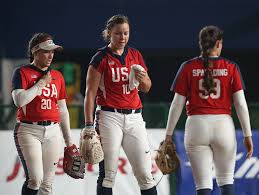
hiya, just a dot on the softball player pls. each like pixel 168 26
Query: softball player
pixel 39 93
pixel 118 117
pixel 207 85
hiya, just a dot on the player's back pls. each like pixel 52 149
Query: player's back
pixel 189 82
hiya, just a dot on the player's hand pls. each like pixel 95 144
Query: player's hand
pixel 168 139
pixel 47 78
pixel 87 132
pixel 140 75
pixel 248 143
pixel 44 80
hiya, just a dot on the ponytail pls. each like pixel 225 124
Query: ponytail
pixel 208 37
pixel 208 83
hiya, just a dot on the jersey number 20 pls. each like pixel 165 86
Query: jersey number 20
pixel 46 104
pixel 214 95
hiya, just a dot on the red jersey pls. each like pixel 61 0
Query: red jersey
pixel 189 83
pixel 44 106
pixel 114 86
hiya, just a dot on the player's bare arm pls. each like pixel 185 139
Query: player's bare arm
pixel 92 84
pixel 144 81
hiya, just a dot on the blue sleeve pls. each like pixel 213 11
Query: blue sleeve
pixel 177 76
pixel 16 79
pixel 96 59
pixel 241 77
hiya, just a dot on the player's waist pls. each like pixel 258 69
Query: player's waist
pixel 119 110
pixel 207 110
pixel 42 123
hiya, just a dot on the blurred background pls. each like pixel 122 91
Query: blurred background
pixel 165 31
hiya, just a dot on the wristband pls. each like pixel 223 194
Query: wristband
pixel 89 125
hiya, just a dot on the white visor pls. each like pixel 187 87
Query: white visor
pixel 46 45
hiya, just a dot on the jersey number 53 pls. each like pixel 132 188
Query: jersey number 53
pixel 203 91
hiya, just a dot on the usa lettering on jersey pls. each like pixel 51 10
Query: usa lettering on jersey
pixel 121 74
pixel 49 91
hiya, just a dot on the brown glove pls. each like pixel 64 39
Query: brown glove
pixel 73 163
pixel 167 159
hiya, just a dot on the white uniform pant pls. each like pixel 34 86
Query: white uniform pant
pixel 39 149
pixel 128 131
pixel 211 139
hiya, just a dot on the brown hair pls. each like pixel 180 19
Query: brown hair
pixel 208 37
pixel 111 22
pixel 35 40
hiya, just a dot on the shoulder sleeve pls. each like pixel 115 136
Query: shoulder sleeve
pixel 16 79
pixel 97 61
pixel 180 83
pixel 237 80
pixel 62 93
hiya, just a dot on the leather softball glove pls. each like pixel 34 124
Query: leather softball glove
pixel 90 147
pixel 73 162
pixel 166 158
